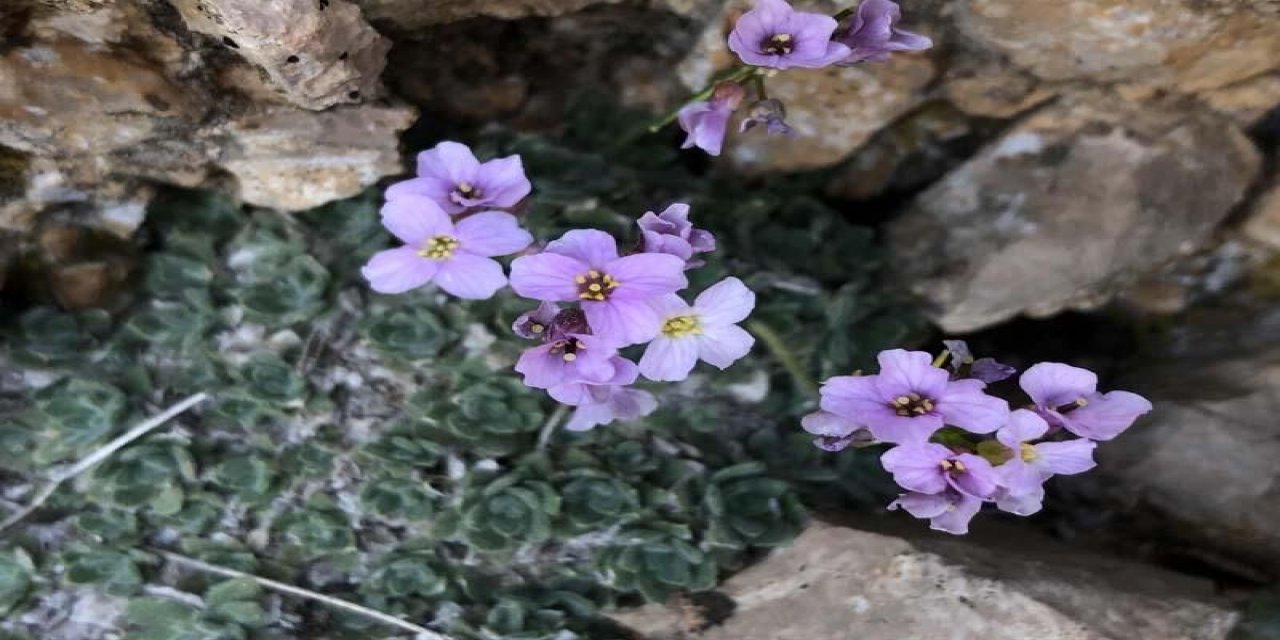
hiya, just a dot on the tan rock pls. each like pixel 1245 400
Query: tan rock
pixel 1246 102
pixel 419 13
pixel 317 53
pixel 292 163
pixel 1263 225
pixel 837 583
pixel 1068 207
pixel 993 89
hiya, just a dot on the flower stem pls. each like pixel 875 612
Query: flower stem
pixel 942 358
pixel 100 454
pixel 844 13
pixel 735 74
pixel 778 347
pixel 549 427
pixel 421 633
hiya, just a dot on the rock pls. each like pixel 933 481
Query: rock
pixel 421 13
pixel 834 111
pixel 334 154
pixel 319 53
pixel 1192 45
pixel 1068 207
pixel 1247 102
pixel 836 583
pixel 981 86
pixel 1263 225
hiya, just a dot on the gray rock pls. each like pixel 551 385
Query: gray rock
pixel 1068 207
pixel 837 583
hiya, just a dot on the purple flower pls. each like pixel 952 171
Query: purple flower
pixel 452 176
pixel 775 35
pixel 931 468
pixel 874 34
pixel 949 511
pixel 457 257
pixel 772 114
pixel 1022 476
pixel 571 358
pixel 671 232
pixel 536 324
pixel 609 403
pixel 582 391
pixel 615 292
pixel 910 399
pixel 706 331
pixel 706 121
pixel 835 433
pixel 1068 396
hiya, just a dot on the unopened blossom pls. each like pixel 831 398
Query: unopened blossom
pixel 456 257
pixel 949 511
pixel 835 433
pixel 1023 475
pixel 874 33
pixel 570 358
pixel 615 292
pixel 1068 397
pixel 932 468
pixel 609 403
pixel 707 330
pixel 707 121
pixel 910 399
pixel 773 34
pixel 671 232
pixel 963 364
pixel 771 113
pixel 451 175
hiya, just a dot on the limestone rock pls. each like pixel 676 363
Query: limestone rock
pixel 318 53
pixel 835 583
pixel 1068 207
pixel 292 163
pixel 1263 225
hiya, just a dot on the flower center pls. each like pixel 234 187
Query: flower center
pixel 567 349
pixel 465 191
pixel 1028 452
pixel 595 286
pixel 1072 406
pixel 911 405
pixel 953 466
pixel 778 44
pixel 681 327
pixel 439 248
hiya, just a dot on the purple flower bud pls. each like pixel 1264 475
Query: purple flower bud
pixel 707 121
pixel 671 232
pixel 874 34
pixel 835 433
pixel 536 324
pixel 989 371
pixel 772 114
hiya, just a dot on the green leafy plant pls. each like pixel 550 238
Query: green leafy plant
pixel 657 565
pixel 16 568
pixel 745 508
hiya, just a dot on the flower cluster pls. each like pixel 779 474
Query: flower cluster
pixel 956 446
pixel 594 301
pixel 774 37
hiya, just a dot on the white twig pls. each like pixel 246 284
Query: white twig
pixel 423 633
pixel 99 455
pixel 549 427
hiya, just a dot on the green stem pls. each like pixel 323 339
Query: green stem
pixel 735 74
pixel 844 13
pixel 942 358
pixel 785 356
pixel 757 81
pixel 549 427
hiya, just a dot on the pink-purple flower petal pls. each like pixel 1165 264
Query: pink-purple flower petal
pixel 644 276
pixel 669 359
pixel 470 277
pixel 398 270
pixel 592 247
pixel 624 321
pixel 1066 458
pixel 917 467
pixel 721 346
pixel 502 181
pixel 1106 415
pixel 546 276
pixel 1023 426
pixel 904 372
pixel 414 218
pixel 725 303
pixel 1053 384
pixel 964 404
pixel 491 233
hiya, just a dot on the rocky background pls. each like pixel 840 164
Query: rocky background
pixel 1088 180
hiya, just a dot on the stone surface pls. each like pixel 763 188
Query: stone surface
pixel 317 53
pixel 1263 225
pixel 835 583
pixel 420 13
pixel 1068 207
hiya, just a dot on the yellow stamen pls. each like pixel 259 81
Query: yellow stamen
pixel 1028 453
pixel 439 248
pixel 682 326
